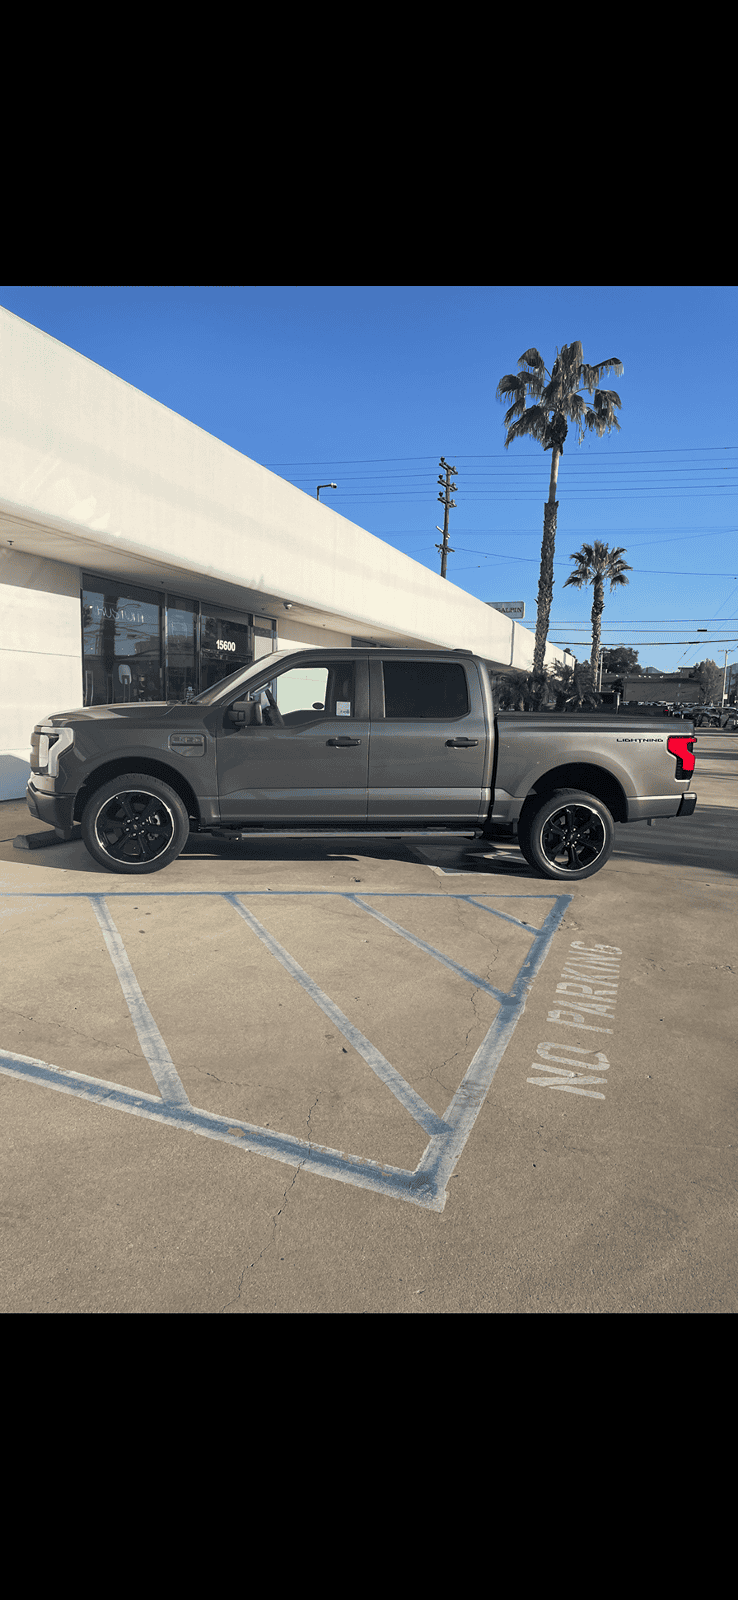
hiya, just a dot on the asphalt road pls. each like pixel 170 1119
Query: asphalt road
pixel 338 1021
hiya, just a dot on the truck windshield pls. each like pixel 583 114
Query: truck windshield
pixel 210 696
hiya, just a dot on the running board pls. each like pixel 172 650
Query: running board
pixel 344 833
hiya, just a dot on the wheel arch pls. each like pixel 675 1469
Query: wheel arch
pixel 587 777
pixel 154 769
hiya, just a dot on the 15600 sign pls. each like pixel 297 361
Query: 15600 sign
pixel 224 644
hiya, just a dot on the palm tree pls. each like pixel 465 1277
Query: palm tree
pixel 598 565
pixel 556 404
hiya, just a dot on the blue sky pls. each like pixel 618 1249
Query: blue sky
pixel 368 385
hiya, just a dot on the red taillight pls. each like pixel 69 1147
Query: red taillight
pixel 682 746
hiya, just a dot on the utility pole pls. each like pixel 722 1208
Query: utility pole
pixel 448 504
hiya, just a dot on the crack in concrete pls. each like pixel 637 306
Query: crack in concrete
pixel 60 1023
pixel 275 1217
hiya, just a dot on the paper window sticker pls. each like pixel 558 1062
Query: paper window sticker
pixel 343 708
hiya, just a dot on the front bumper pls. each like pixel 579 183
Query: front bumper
pixel 55 809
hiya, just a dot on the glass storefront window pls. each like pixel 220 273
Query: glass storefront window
pixel 226 646
pixel 138 644
pixel 121 643
pixel 181 662
pixel 265 637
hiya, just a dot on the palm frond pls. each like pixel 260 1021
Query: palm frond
pixel 598 564
pixel 534 384
pixel 602 419
pixel 611 365
pixel 516 410
pixel 531 424
pixel 608 395
pixel 510 384
pixel 533 359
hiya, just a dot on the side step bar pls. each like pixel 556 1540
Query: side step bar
pixel 342 833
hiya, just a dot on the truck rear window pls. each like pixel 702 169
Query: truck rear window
pixel 425 689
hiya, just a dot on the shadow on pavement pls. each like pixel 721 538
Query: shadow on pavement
pixel 709 838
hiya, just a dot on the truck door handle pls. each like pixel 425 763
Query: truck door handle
pixel 343 742
pixel 461 744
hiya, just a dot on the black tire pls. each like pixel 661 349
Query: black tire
pixel 135 824
pixel 568 836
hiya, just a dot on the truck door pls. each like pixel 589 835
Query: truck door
pixel 307 761
pixel 428 756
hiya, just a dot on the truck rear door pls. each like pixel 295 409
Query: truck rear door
pixel 428 748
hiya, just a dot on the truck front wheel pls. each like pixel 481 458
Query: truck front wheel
pixel 135 824
pixel 568 836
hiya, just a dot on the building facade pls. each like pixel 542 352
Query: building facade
pixel 143 559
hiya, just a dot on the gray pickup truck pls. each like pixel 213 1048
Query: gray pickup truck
pixel 381 743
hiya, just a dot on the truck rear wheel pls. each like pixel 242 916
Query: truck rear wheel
pixel 568 836
pixel 135 824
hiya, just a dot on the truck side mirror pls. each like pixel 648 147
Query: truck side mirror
pixel 245 713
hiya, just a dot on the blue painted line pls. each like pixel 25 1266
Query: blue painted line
pixel 442 1155
pixel 422 1113
pixel 216 894
pixel 426 1185
pixel 463 972
pixel 155 1051
pixel 475 900
pixel 359 1171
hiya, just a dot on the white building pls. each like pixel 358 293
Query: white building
pixel 141 558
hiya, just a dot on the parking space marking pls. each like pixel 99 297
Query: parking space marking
pixel 471 977
pixel 155 1052
pixel 426 1184
pixel 402 1091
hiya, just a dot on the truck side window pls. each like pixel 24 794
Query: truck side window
pixel 425 689
pixel 310 694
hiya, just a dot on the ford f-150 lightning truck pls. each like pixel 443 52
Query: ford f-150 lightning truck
pixel 390 743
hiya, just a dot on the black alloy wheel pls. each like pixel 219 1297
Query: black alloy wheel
pixel 135 824
pixel 568 836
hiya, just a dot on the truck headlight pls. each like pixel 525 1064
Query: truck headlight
pixel 51 743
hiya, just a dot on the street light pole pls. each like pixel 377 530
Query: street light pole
pixel 324 486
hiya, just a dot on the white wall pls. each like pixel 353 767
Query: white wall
pixel 78 443
pixel 92 468
pixel 40 655
pixel 298 633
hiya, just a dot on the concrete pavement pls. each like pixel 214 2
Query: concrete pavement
pixel 584 1184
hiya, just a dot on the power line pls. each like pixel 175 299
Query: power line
pixel 665 644
pixel 357 461
pixel 588 468
pixel 654 572
pixel 651 622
